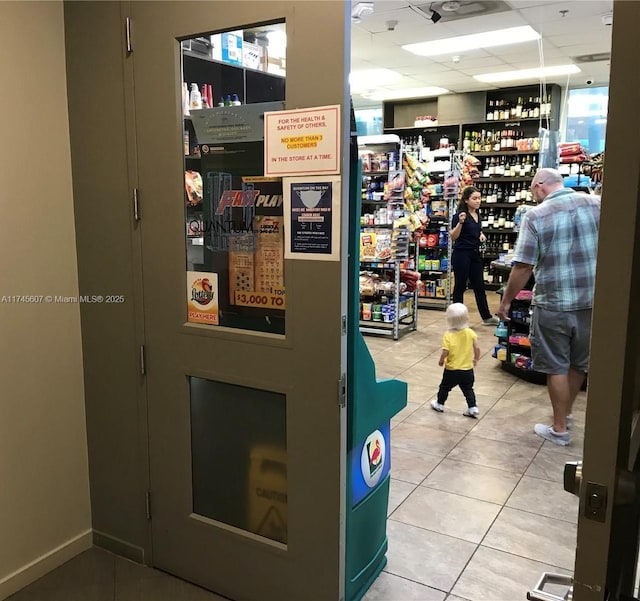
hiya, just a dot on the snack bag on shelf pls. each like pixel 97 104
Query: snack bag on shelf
pixel 193 188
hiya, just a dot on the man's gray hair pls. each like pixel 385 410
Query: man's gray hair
pixel 548 176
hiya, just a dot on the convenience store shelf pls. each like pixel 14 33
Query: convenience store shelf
pixel 500 153
pixel 501 179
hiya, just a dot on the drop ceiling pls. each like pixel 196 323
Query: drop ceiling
pixel 572 31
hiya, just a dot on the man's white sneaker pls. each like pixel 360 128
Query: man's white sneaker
pixel 548 433
pixel 472 412
pixel 437 406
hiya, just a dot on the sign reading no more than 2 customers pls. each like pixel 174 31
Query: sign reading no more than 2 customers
pixel 302 141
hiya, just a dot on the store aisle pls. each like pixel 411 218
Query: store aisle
pixel 477 510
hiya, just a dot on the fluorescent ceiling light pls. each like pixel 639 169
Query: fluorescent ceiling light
pixel 487 39
pixel 368 79
pixel 528 73
pixel 408 93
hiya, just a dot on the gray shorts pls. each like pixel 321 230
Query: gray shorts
pixel 560 340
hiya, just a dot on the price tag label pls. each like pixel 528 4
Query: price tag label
pixel 265 300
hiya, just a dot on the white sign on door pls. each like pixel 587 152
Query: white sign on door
pixel 302 141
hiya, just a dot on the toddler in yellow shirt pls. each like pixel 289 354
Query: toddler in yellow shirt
pixel 460 353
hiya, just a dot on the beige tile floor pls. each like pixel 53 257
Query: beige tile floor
pixel 476 511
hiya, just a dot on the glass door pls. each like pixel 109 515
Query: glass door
pixel 244 348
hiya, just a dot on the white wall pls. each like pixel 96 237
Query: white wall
pixel 45 513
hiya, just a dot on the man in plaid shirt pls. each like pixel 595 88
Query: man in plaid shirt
pixel 558 243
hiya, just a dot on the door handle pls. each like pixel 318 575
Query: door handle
pixel 573 477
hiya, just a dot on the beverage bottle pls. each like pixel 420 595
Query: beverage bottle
pixel 519 107
pixel 536 108
pixel 466 144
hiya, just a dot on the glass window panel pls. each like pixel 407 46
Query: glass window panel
pixel 587 117
pixel 233 216
pixel 239 456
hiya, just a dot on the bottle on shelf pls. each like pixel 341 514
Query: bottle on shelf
pixel 536 108
pixel 466 143
pixel 508 222
pixel 195 98
pixel 491 218
pixel 185 99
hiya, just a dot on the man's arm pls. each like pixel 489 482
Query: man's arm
pixel 518 278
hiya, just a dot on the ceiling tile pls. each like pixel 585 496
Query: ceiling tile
pixel 579 32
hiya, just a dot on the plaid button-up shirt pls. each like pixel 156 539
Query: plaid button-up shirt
pixel 560 239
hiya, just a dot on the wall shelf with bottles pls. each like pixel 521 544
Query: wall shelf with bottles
pixel 502 180
pixel 498 153
pixel 523 103
pixel 516 108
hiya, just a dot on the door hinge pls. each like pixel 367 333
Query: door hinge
pixel 136 204
pixel 342 391
pixel 147 504
pixel 128 34
pixel 143 364
pixel 344 324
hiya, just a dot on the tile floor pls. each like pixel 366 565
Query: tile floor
pixel 476 511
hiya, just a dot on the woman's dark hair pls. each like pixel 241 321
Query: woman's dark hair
pixel 466 195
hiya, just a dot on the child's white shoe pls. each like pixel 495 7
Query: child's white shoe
pixel 437 406
pixel 472 412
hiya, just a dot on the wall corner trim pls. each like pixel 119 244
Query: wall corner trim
pixel 44 564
